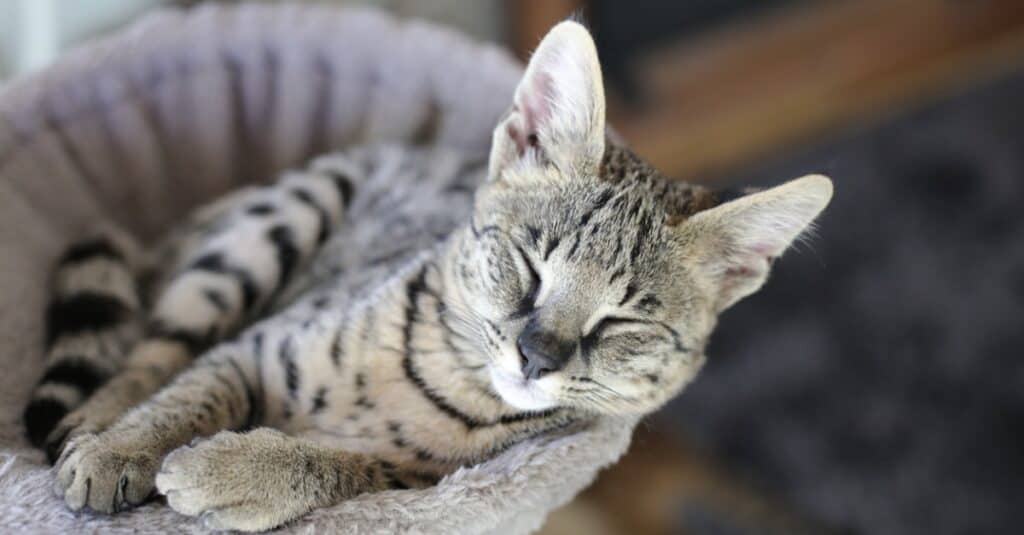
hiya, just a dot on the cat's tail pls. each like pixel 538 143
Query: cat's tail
pixel 93 318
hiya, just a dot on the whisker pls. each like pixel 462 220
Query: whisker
pixel 603 396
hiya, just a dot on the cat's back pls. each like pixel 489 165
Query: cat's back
pixel 404 200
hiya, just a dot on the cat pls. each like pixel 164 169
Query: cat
pixel 389 314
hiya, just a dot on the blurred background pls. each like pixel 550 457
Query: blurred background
pixel 876 384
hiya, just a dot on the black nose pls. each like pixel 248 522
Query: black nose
pixel 542 352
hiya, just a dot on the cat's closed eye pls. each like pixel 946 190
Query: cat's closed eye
pixel 531 287
pixel 614 324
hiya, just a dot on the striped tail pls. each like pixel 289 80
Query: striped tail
pixel 92 321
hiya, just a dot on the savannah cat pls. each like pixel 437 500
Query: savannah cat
pixel 389 314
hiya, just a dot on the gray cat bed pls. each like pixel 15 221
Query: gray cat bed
pixel 139 128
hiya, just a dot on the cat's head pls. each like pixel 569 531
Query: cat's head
pixel 593 280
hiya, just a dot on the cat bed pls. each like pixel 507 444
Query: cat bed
pixel 138 128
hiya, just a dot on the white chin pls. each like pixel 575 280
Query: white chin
pixel 520 393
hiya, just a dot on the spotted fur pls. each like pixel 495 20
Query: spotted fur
pixel 398 313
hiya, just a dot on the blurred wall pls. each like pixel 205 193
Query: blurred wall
pixel 34 32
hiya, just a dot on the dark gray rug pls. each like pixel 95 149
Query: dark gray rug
pixel 877 382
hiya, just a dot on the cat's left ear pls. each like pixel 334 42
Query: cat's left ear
pixel 733 244
pixel 558 110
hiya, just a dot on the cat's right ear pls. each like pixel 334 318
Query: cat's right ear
pixel 733 244
pixel 558 112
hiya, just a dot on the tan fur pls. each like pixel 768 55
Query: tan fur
pixel 400 382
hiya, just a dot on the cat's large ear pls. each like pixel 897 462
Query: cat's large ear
pixel 735 243
pixel 557 114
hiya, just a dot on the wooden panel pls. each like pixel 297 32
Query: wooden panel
pixel 531 19
pixel 721 99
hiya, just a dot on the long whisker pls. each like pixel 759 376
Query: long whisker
pixel 604 396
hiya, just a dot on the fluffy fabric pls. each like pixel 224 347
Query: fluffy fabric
pixel 137 129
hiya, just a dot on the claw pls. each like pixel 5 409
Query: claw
pixel 119 494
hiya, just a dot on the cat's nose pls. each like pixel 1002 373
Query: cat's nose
pixel 542 352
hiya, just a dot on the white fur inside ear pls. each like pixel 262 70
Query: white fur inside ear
pixel 766 223
pixel 558 111
pixel 738 241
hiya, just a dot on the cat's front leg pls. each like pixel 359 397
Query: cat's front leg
pixel 152 364
pixel 115 469
pixel 261 479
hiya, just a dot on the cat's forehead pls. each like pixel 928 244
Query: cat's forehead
pixel 617 220
pixel 641 188
pixel 636 207
pixel 614 231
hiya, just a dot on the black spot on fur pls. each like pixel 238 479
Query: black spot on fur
pixel 87 250
pixel 216 298
pixel 260 209
pixel 286 352
pixel 394 483
pixel 324 220
pixel 41 416
pixel 79 373
pixel 83 311
pixel 642 232
pixel 336 349
pixel 575 245
pixel 214 263
pixel 648 303
pixel 533 234
pixel 253 400
pixel 677 340
pixel 603 199
pixel 344 186
pixel 283 240
pixel 481 232
pixel 319 401
pixel 386 258
pixel 257 344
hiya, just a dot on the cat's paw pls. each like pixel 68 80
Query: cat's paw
pixel 83 421
pixel 104 474
pixel 246 482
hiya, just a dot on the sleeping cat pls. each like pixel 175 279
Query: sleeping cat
pixel 388 314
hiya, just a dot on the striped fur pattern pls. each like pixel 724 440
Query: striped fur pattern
pixel 388 315
pixel 92 321
pixel 231 264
